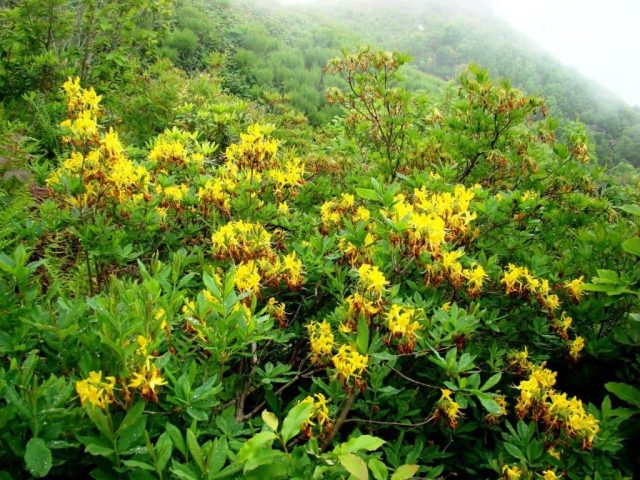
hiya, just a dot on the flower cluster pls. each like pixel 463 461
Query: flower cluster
pixel 249 244
pixel 574 288
pixel 240 240
pixel 403 327
pixel 350 366
pixel 173 150
pixel 520 281
pixel 277 310
pixel 256 150
pixel 147 379
pixel 95 391
pixel 252 165
pixel 368 299
pixel 218 192
pixel 357 251
pixel 447 409
pixel 321 340
pixel 319 416
pixel 83 108
pixel 432 219
pixel 559 413
pixel 334 213
pixel 97 169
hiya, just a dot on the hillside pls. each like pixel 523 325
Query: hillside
pixel 235 242
pixel 443 37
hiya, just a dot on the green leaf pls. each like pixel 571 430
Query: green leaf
pixel 367 194
pixel 607 276
pixel 404 472
pixel 255 443
pixel 138 465
pixel 379 469
pixel 164 448
pixel 101 421
pixel 363 442
pixel 514 451
pixel 38 457
pixel 489 403
pixel 270 420
pixel 131 417
pixel 632 209
pixel 632 246
pixel 132 434
pixel 176 438
pixel 362 342
pixel 355 466
pixel 195 450
pixel 217 456
pixel 624 391
pixel 491 382
pixel 295 418
pixel 95 449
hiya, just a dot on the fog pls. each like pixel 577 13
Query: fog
pixel 601 39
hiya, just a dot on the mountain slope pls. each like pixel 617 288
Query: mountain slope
pixel 443 37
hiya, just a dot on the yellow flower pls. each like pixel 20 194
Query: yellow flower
pixel 575 347
pixel 241 240
pixel 175 193
pixel 553 452
pixel 475 278
pixel 362 215
pixel 147 380
pixel 319 414
pixel 575 288
pixel 256 151
pixel 349 364
pixel 321 341
pixel 95 391
pixel 371 279
pixel 277 310
pixel 512 278
pixel 549 475
pixel 292 270
pixel 447 408
pixel 551 302
pixel 283 208
pixel 511 473
pixel 247 278
pixel 401 325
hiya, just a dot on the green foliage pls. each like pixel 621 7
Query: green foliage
pixel 209 272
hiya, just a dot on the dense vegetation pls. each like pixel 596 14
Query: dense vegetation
pixel 232 250
pixel 444 36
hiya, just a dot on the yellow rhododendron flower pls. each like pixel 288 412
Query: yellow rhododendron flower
pixel 93 390
pixel 371 279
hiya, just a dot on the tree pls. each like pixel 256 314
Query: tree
pixel 377 109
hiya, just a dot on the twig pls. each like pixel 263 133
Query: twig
pixel 390 424
pixel 409 379
pixel 346 408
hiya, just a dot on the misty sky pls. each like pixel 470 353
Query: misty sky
pixel 600 38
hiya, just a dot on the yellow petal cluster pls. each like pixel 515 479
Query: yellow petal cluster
pixel 321 340
pixel 555 409
pixel 350 365
pixel 95 391
pixel 403 326
pixel 447 408
pixel 319 415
